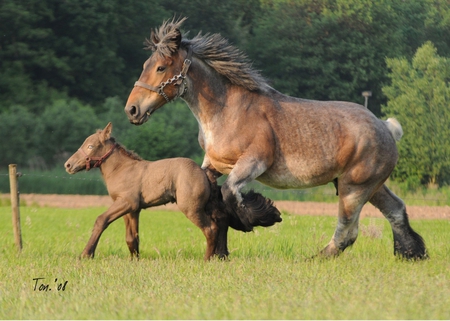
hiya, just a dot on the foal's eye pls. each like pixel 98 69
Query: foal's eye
pixel 160 69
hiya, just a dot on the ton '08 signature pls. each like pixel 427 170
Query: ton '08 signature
pixel 41 286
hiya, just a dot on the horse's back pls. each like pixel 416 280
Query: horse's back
pixel 317 141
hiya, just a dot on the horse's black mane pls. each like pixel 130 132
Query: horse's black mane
pixel 212 49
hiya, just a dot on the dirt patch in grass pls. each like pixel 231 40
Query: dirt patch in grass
pixel 292 207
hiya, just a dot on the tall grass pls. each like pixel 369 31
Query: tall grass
pixel 268 276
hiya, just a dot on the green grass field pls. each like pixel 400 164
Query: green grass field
pixel 268 274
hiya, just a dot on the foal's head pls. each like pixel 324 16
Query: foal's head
pixel 95 149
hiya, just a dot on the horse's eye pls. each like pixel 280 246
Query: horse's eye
pixel 90 146
pixel 160 69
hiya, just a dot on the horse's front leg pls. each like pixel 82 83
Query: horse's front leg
pixel 244 171
pixel 116 210
pixel 132 232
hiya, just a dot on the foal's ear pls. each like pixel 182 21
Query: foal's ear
pixel 106 132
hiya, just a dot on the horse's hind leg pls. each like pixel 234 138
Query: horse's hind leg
pixel 346 232
pixel 132 232
pixel 407 242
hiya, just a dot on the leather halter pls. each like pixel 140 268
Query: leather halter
pixel 99 160
pixel 176 80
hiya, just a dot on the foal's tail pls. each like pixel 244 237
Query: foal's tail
pixel 395 128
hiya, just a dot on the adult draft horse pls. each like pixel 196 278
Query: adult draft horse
pixel 250 131
pixel 135 184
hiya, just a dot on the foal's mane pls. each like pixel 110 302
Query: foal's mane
pixel 212 49
pixel 124 151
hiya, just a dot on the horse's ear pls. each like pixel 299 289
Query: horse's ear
pixel 151 44
pixel 106 132
pixel 166 40
pixel 177 38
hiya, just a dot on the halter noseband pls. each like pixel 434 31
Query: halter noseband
pixel 99 160
pixel 176 80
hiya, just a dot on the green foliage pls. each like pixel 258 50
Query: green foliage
pixel 18 140
pixel 269 274
pixel 233 19
pixel 64 125
pixel 330 50
pixel 56 181
pixel 172 131
pixel 87 54
pixel 419 95
pixel 87 49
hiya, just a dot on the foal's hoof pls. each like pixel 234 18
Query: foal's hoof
pixel 86 256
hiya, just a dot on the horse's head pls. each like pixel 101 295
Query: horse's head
pixel 163 75
pixel 95 149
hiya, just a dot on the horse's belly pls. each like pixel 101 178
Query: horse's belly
pixel 298 176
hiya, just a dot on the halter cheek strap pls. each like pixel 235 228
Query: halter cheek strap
pixel 176 80
pixel 98 160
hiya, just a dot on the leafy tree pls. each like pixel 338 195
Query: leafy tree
pixel 419 96
pixel 77 48
pixel 62 129
pixel 232 19
pixel 334 49
pixel 22 53
pixel 172 131
pixel 18 140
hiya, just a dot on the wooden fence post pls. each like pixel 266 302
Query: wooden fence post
pixel 14 191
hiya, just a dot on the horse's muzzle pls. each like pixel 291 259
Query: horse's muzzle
pixel 134 115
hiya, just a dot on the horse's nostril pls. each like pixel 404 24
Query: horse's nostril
pixel 133 111
pixel 67 165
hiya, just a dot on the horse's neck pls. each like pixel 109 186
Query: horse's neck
pixel 207 92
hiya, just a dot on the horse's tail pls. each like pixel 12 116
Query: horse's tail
pixel 395 128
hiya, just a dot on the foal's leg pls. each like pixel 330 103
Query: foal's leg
pixel 206 224
pixel 116 210
pixel 132 232
pixel 407 242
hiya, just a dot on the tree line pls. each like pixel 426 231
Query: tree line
pixel 67 67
